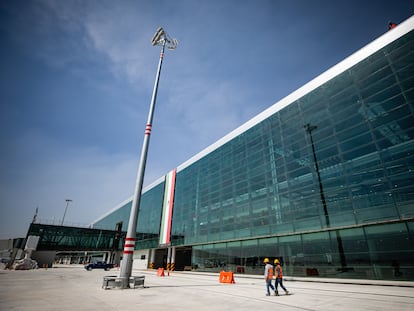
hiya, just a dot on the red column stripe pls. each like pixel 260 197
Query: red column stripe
pixel 148 129
pixel 170 207
pixel 129 245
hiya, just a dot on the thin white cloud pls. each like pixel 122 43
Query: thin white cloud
pixel 94 180
pixel 66 34
pixel 121 37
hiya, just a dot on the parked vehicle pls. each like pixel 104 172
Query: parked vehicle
pixel 99 265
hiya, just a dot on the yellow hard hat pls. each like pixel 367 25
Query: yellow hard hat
pixel 266 260
pixel 276 261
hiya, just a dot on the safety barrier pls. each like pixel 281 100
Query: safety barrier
pixel 312 272
pixel 226 277
pixel 160 272
pixel 112 281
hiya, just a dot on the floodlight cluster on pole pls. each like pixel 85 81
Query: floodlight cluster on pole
pixel 160 38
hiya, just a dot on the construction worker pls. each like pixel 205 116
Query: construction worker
pixel 279 277
pixel 268 275
pixel 391 25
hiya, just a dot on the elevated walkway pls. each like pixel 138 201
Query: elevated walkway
pixel 64 238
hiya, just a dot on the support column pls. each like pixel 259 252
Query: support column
pixel 108 257
pixel 152 259
pixel 169 259
pixel 172 266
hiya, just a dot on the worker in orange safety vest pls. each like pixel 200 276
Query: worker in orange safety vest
pixel 391 25
pixel 268 275
pixel 279 277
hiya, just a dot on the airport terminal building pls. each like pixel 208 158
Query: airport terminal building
pixel 322 180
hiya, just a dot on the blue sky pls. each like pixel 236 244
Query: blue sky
pixel 76 79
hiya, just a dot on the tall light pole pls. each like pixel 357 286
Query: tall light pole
pixel 162 39
pixel 66 208
pixel 309 128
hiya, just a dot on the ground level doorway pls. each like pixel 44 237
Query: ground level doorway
pixel 182 258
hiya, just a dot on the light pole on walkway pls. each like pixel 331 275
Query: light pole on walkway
pixel 66 208
pixel 162 39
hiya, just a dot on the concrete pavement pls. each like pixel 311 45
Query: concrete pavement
pixel 73 288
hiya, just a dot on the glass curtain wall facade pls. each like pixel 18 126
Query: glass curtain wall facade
pixel 325 184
